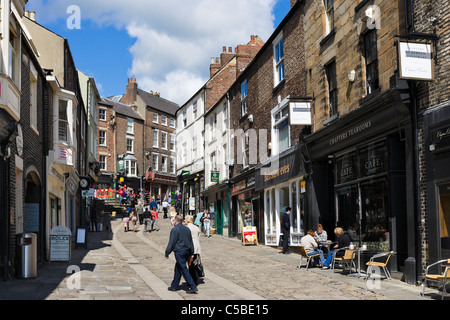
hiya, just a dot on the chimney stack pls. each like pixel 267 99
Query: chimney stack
pixel 131 93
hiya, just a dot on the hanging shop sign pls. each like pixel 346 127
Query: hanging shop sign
pixel 249 236
pixel 416 60
pixel 300 113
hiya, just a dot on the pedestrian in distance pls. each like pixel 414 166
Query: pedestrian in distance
pixel 286 229
pixel 126 220
pixel 154 214
pixel 206 223
pixel 165 206
pixel 140 212
pixel 134 219
pixel 195 233
pixel 93 217
pixel 172 214
pixel 153 203
pixel 343 241
pixel 147 219
pixel 181 244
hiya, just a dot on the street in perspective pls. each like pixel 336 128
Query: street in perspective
pixel 225 158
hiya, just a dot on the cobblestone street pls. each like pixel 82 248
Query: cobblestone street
pixel 131 266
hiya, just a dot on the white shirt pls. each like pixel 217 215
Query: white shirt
pixel 309 243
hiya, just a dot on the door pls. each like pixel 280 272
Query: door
pixel 219 217
pixel 444 218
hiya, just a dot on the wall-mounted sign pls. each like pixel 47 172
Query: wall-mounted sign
pixel 415 60
pixel 214 176
pixel 300 113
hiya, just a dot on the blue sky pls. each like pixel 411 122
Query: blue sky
pixel 164 50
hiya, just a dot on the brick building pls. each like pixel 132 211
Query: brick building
pixel 106 146
pixel 362 144
pixel 264 137
pixel 191 125
pixel 159 154
pixel 431 25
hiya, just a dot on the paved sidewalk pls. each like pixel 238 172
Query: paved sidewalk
pixel 120 265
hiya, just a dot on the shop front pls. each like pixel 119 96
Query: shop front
pixel 283 183
pixel 217 200
pixel 190 188
pixel 437 157
pixel 368 170
pixel 246 207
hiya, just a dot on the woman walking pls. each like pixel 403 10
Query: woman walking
pixel 195 232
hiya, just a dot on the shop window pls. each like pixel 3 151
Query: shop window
pixel 246 213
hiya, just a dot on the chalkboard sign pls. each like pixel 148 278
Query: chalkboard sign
pixel 60 244
pixel 81 238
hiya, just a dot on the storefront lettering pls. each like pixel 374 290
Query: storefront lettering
pixel 443 134
pixel 373 163
pixel 351 132
pixel 281 171
pixel 346 172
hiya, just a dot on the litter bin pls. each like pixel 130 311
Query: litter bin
pixel 27 256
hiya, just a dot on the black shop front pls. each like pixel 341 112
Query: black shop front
pixel 361 168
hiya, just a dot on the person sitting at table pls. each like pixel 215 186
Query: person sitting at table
pixel 343 241
pixel 320 235
pixel 311 247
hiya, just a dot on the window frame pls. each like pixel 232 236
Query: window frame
pixel 100 131
pixel 278 60
pixel 244 100
pixel 331 78
pixel 329 16
pixel 371 65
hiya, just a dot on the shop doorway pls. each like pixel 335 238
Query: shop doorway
pixel 258 220
pixel 444 217
pixel 219 217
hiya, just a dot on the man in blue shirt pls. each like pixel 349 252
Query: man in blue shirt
pixel 180 242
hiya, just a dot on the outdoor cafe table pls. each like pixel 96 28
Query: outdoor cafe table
pixel 325 244
pixel 359 273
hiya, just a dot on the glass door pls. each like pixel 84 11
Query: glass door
pixel 348 210
pixel 444 217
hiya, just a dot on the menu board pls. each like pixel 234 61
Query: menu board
pixel 249 236
pixel 60 244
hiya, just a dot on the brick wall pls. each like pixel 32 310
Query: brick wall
pixel 262 97
pixel 109 149
pixel 432 94
pixel 345 47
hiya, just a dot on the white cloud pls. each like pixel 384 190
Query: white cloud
pixel 175 39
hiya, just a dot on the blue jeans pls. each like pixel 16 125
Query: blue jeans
pixel 316 252
pixel 329 258
pixel 182 257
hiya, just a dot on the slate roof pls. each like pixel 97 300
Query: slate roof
pixel 158 103
pixel 122 108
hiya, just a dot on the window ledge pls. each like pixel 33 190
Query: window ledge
pixel 279 85
pixel 328 36
pixel 330 119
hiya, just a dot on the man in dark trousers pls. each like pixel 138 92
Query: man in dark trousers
pixel 180 242
pixel 286 229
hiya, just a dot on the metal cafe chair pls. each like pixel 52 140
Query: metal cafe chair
pixel 384 256
pixel 441 278
pixel 346 259
pixel 303 254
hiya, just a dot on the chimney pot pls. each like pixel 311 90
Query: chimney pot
pixel 217 60
pixel 224 49
pixel 230 50
pixel 33 15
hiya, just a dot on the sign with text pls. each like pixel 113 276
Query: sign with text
pixel 60 243
pixel 300 113
pixel 249 236
pixel 416 61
